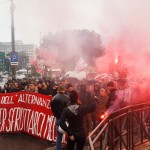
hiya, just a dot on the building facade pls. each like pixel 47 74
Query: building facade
pixel 28 49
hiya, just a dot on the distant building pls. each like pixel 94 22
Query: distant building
pixel 29 49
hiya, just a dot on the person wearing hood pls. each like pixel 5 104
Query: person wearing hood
pixel 74 114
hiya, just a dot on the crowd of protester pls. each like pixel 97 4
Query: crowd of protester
pixel 41 86
pixel 81 104
pixel 87 102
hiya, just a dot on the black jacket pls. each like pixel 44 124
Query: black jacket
pixel 74 115
pixel 58 103
pixel 85 97
pixel 42 91
pixel 111 98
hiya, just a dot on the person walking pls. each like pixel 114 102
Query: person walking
pixel 74 114
pixel 58 103
pixel 86 98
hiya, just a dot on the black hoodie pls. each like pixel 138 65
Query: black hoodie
pixel 74 114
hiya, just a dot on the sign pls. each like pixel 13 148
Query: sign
pixel 14 58
pixel 27 112
pixel 2 61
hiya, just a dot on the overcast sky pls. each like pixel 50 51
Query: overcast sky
pixel 107 17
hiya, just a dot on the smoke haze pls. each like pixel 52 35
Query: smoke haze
pixel 122 24
pixel 105 17
pixel 65 48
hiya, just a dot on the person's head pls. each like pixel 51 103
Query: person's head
pixel 102 92
pixel 73 97
pixel 110 85
pixel 82 88
pixel 47 83
pixel 96 87
pixel 69 87
pixel 16 84
pixel 24 80
pixel 32 86
pixel 12 85
pixel 63 82
pixel 61 88
pixel 44 86
pixel 40 84
pixel 91 88
pixel 32 81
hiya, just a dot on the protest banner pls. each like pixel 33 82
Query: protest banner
pixel 29 113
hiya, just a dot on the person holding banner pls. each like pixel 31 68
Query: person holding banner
pixel 32 88
pixel 58 103
pixel 74 114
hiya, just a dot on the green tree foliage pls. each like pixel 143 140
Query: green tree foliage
pixel 7 64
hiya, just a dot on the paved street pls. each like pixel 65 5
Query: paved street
pixel 26 142
pixel 23 142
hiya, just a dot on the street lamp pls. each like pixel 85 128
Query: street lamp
pixel 12 9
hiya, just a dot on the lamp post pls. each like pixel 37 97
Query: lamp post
pixel 12 9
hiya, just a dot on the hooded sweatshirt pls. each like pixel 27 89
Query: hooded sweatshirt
pixel 74 114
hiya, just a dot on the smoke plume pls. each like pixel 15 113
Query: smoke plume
pixel 65 48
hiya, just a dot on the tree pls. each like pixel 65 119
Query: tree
pixel 7 64
pixel 67 47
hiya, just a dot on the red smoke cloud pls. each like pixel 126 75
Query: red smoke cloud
pixel 132 47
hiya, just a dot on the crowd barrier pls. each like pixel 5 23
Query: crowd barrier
pixel 126 128
pixel 29 113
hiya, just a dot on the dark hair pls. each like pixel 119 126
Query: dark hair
pixel 82 87
pixel 40 82
pixel 32 83
pixel 73 96
pixel 111 83
pixel 61 88
pixel 69 85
